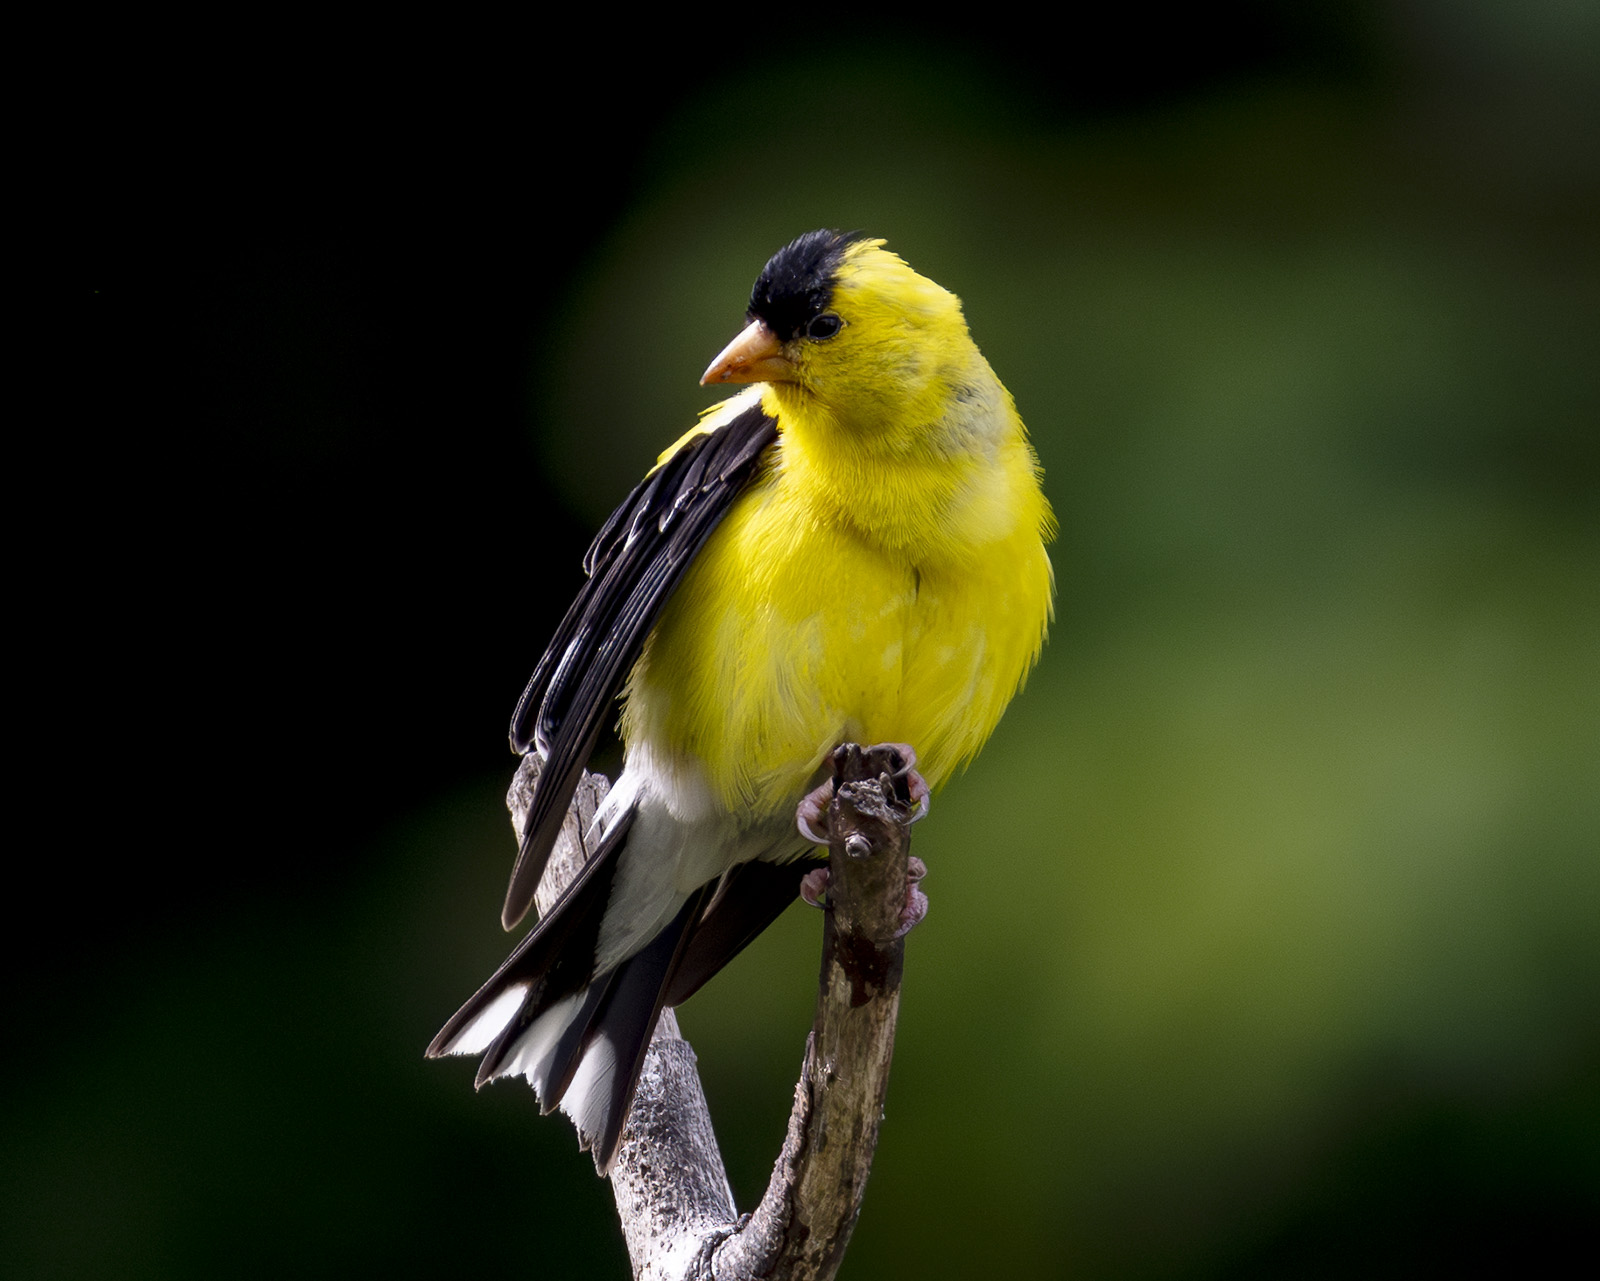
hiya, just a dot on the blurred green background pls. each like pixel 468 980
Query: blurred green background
pixel 1265 935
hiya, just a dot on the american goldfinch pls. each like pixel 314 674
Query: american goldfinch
pixel 852 549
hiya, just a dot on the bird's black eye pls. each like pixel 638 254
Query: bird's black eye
pixel 824 326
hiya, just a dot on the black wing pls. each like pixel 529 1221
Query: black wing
pixel 633 565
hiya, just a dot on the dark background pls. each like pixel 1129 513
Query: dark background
pixel 1263 937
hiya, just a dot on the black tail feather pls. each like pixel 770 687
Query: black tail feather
pixel 749 898
pixel 556 958
pixel 555 1074
pixel 618 1010
pixel 628 1020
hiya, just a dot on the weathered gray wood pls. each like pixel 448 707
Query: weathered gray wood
pixel 669 1182
pixel 570 852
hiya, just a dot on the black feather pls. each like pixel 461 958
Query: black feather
pixel 796 285
pixel 750 897
pixel 556 958
pixel 634 564
pixel 556 961
pixel 552 1077
pixel 628 1020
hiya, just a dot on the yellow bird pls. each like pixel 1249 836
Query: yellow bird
pixel 852 549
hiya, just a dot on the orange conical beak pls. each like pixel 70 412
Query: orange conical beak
pixel 755 356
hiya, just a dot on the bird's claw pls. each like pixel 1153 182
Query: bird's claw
pixel 814 892
pixel 918 787
pixel 909 786
pixel 916 901
pixel 895 762
pixel 811 815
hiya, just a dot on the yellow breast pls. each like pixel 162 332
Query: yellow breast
pixel 895 605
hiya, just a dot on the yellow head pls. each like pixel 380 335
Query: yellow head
pixel 844 331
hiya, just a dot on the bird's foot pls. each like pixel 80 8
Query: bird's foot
pixel 814 887
pixel 814 891
pixel 811 815
pixel 896 760
pixel 916 901
pixel 900 760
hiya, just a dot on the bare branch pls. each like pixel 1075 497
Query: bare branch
pixel 669 1182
